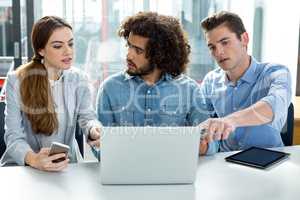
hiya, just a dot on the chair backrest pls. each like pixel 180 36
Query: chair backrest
pixel 288 129
pixel 2 143
pixel 80 139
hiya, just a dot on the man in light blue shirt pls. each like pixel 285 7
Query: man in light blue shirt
pixel 251 99
pixel 153 91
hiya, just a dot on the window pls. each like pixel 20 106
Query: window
pixel 100 52
pixel 13 38
pixel 298 68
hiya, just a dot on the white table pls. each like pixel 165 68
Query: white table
pixel 216 179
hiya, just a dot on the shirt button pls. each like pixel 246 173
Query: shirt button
pixel 235 88
pixel 149 109
pixel 148 92
pixel 234 108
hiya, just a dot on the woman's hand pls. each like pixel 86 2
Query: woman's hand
pixel 44 162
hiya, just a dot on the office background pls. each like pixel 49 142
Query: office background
pixel 273 26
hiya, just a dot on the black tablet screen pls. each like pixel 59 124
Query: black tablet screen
pixel 257 157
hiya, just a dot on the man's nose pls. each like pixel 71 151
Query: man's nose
pixel 130 54
pixel 219 51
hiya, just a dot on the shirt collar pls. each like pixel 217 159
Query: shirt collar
pixel 165 77
pixel 127 76
pixel 60 78
pixel 250 75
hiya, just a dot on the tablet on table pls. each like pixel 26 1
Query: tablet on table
pixel 257 157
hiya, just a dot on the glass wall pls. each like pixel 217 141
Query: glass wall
pixel 13 36
pixel 8 32
pixel 101 53
pixel 6 36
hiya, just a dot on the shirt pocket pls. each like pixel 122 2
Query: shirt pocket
pixel 173 115
pixel 123 116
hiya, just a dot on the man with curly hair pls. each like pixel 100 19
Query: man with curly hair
pixel 153 90
pixel 250 98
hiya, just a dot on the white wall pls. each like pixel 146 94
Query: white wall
pixel 245 9
pixel 281 29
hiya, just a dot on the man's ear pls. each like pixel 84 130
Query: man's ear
pixel 245 39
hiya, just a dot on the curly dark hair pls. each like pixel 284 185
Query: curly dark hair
pixel 167 48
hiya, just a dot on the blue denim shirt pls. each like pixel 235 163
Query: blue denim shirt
pixel 125 100
pixel 266 82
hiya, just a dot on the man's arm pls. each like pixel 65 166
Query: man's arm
pixel 270 109
pixel 257 114
pixel 220 128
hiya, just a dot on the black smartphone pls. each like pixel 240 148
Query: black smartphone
pixel 57 148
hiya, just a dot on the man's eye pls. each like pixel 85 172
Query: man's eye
pixel 139 51
pixel 224 42
pixel 71 44
pixel 56 46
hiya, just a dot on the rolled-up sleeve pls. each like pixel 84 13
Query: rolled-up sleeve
pixel 279 95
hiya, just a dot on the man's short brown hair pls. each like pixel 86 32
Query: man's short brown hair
pixel 231 20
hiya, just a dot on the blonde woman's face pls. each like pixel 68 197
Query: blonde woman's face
pixel 58 52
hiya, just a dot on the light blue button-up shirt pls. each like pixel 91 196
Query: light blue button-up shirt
pixel 266 82
pixel 125 100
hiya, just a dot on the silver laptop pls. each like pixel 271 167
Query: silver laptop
pixel 149 155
